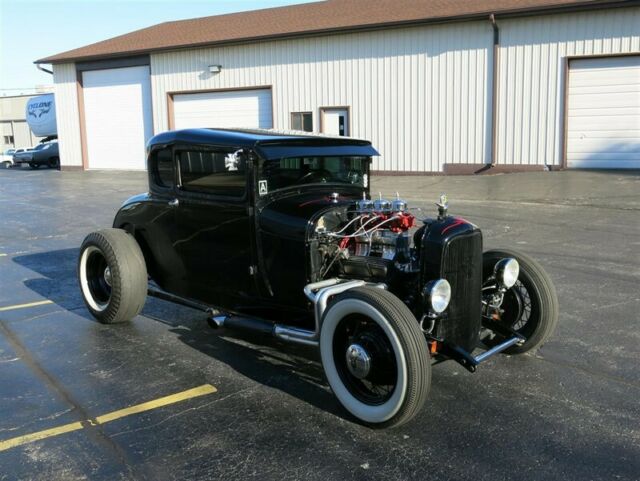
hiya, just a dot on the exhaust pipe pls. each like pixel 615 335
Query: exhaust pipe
pixel 246 324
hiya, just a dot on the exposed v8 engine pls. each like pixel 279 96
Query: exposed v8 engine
pixel 370 240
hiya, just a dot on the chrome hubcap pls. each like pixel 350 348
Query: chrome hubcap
pixel 358 361
pixel 107 276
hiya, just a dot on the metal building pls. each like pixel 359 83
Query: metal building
pixel 14 130
pixel 444 86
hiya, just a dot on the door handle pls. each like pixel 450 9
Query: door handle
pixel 174 203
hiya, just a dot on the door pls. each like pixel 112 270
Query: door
pixel 213 231
pixel 603 113
pixel 117 113
pixel 335 121
pixel 223 109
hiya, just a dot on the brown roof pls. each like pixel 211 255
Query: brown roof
pixel 303 19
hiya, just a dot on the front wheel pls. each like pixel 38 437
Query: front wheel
pixel 112 275
pixel 375 356
pixel 531 306
pixel 34 165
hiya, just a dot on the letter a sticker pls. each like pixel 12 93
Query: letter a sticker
pixel 262 187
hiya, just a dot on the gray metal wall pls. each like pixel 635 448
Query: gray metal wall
pixel 419 94
pixel 422 95
pixel 531 86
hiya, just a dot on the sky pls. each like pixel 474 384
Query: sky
pixel 30 30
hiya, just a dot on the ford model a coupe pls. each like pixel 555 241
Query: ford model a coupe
pixel 277 233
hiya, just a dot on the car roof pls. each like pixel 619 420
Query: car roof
pixel 251 138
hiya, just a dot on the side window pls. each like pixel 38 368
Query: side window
pixel 302 121
pixel 213 171
pixel 162 168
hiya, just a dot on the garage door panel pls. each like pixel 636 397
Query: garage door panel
pixel 117 105
pixel 605 64
pixel 629 88
pixel 590 145
pixel 585 79
pixel 607 100
pixel 609 122
pixel 606 163
pixel 595 156
pixel 629 135
pixel 603 113
pixel 229 109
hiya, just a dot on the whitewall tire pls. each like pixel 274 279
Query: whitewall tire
pixel 112 274
pixel 375 356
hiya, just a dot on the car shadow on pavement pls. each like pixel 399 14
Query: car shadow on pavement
pixel 294 370
pixel 58 281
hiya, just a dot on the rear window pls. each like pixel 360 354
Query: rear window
pixel 162 168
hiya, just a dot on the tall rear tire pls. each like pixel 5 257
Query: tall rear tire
pixel 375 357
pixel 113 276
pixel 531 306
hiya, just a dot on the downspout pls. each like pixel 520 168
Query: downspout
pixel 40 67
pixel 494 87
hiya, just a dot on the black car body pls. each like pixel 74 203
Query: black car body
pixel 279 233
pixel 44 154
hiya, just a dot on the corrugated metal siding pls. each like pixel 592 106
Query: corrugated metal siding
pixel 67 118
pixel 530 129
pixel 419 94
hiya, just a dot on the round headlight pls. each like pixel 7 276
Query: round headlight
pixel 437 295
pixel 507 272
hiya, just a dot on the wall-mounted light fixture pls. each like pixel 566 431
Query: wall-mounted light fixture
pixel 215 68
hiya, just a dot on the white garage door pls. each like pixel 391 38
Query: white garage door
pixel 117 110
pixel 230 109
pixel 604 113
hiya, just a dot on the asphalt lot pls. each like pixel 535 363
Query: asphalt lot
pixel 571 411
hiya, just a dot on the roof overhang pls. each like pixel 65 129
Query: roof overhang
pixel 498 14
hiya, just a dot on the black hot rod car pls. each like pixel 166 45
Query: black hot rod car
pixel 278 233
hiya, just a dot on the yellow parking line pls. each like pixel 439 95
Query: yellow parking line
pixel 23 306
pixel 47 433
pixel 157 403
pixel 3 255
pixel 105 418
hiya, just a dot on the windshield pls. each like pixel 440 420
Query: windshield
pixel 295 171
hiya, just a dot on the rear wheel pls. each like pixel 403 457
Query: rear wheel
pixel 54 162
pixel 531 306
pixel 375 356
pixel 112 275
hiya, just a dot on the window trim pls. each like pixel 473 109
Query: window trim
pixel 181 191
pixel 302 112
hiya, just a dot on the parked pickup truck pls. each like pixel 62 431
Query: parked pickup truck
pixel 44 154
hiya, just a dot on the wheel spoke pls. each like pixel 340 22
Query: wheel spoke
pixel 377 386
